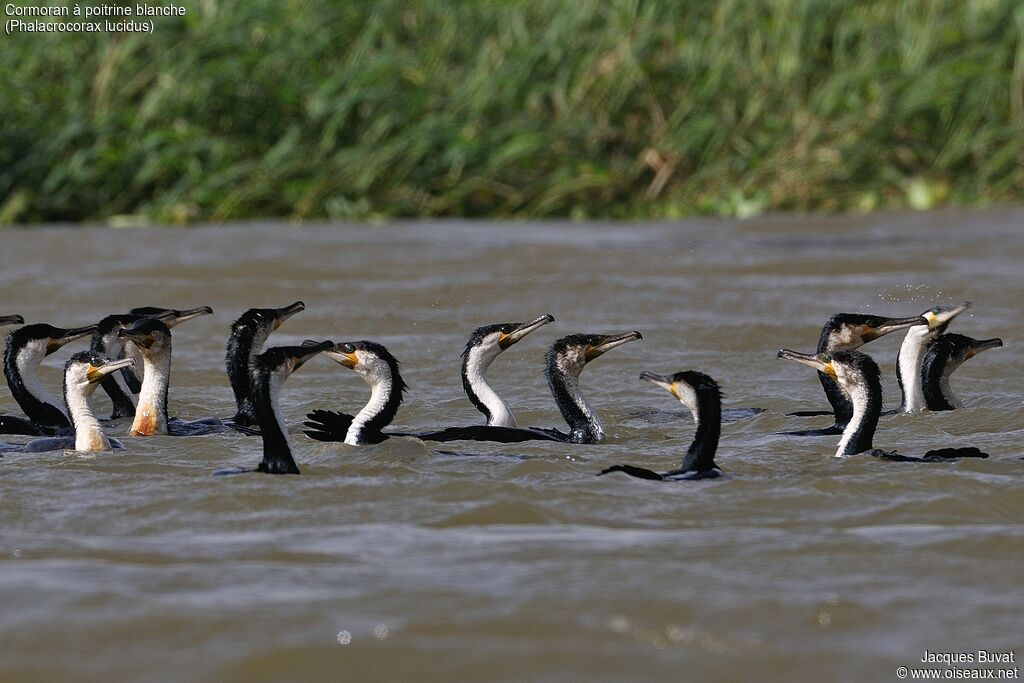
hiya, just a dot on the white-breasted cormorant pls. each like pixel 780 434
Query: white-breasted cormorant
pixel 153 338
pixel 859 377
pixel 123 387
pixel 26 349
pixel 846 332
pixel 82 373
pixel 484 345
pixel 911 356
pixel 565 361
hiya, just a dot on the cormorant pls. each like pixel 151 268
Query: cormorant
pixel 912 350
pixel 484 345
pixel 82 373
pixel 153 338
pixel 858 376
pixel 943 356
pixel 270 369
pixel 26 349
pixel 846 332
pixel 123 387
pixel 701 395
pixel 248 335
pixel 565 361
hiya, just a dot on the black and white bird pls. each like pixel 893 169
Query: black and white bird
pixel 858 376
pixel 248 335
pixel 701 396
pixel 123 387
pixel 565 361
pixel 26 348
pixel 942 357
pixel 910 361
pixel 847 332
pixel 269 371
pixel 82 373
pixel 153 339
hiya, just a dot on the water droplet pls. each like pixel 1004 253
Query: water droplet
pixel 17 552
pixel 380 631
pixel 824 618
pixel 344 637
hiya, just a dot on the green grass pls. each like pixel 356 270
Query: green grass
pixel 618 109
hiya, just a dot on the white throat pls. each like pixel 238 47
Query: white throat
pixel 857 392
pixel 910 359
pixel 479 360
pixel 378 399
pixel 151 409
pixel 88 435
pixel 28 360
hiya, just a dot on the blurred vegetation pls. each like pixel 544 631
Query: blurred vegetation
pixel 592 108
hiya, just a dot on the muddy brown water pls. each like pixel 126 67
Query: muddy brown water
pixel 514 562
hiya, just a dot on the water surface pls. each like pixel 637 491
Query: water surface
pixel 514 562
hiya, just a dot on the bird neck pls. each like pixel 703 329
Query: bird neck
pixel 368 425
pixel 151 411
pixel 866 397
pixel 277 452
pixel 474 380
pixel 935 373
pixel 837 399
pixel 88 435
pixel 707 418
pixel 21 368
pixel 246 342
pixel 908 368
pixel 584 425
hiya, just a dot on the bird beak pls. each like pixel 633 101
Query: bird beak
pixel 810 360
pixel 945 315
pixel 301 354
pixel 349 360
pixel 662 381
pixel 172 317
pixel 96 373
pixel 609 342
pixel 287 312
pixel 11 320
pixel 68 336
pixel 979 345
pixel 892 325
pixel 523 329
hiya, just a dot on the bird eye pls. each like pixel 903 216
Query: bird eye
pixel 348 348
pixel 826 357
pixel 936 310
pixel 506 329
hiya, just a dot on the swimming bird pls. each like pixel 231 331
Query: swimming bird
pixel 943 356
pixel 484 345
pixel 859 377
pixel 82 373
pixel 26 349
pixel 153 338
pixel 270 369
pixel 123 387
pixel 701 395
pixel 846 332
pixel 248 335
pixel 911 356
pixel 565 361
